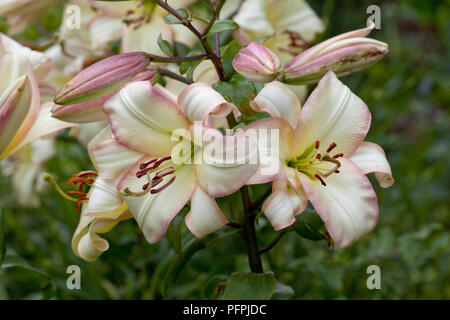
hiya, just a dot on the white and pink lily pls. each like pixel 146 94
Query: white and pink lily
pixel 322 158
pixel 144 118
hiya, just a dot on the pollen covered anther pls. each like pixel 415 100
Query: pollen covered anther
pixel 331 147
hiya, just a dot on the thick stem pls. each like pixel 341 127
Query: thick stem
pixel 254 258
pixel 154 58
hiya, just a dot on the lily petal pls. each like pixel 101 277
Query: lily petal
pixel 143 117
pixel 347 204
pixel 227 163
pixel 205 216
pixel 198 101
pixel 284 204
pixel 154 212
pixel 279 101
pixel 332 113
pixel 370 157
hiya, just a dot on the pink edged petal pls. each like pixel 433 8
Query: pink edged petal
pixel 206 72
pixel 370 157
pixel 274 137
pixel 154 212
pixel 143 117
pixel 198 101
pixel 109 156
pixel 225 163
pixel 279 101
pixel 347 204
pixel 332 113
pixel 284 204
pixel 205 216
pixel 44 125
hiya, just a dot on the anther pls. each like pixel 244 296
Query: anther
pixel 145 186
pixel 153 191
pixel 164 172
pixel 339 155
pixel 317 144
pixel 145 164
pixel 318 156
pixel 331 147
pixel 320 179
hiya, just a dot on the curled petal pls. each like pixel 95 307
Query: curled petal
pixel 205 216
pixel 284 204
pixel 347 204
pixel 198 101
pixel 370 157
pixel 279 101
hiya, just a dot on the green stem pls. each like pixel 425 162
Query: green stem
pixel 167 73
pixel 155 58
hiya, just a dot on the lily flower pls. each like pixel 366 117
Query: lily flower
pixel 289 25
pixel 156 187
pixel 322 158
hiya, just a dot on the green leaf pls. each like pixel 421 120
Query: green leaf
pixel 14 261
pixel 250 286
pixel 228 52
pixel 188 67
pixel 2 239
pixel 165 46
pixel 309 225
pixel 282 292
pixel 222 25
pixel 214 285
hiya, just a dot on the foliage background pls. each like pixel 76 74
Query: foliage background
pixel 408 93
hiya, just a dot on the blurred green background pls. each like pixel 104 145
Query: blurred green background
pixel 408 93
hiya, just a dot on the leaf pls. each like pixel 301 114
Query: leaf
pixel 213 286
pixel 171 19
pixel 309 225
pixel 14 261
pixel 228 52
pixel 2 239
pixel 165 46
pixel 222 25
pixel 188 67
pixel 282 292
pixel 250 286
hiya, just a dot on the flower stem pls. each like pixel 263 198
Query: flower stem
pixel 155 58
pixel 254 257
pixel 167 73
pixel 208 50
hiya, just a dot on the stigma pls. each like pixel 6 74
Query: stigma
pixel 318 165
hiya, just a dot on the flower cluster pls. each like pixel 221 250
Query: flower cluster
pixel 165 133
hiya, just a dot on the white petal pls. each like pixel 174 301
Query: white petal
pixel 154 212
pixel 279 101
pixel 206 72
pixel 227 162
pixel 198 101
pixel 347 204
pixel 252 18
pixel 143 116
pixel 284 204
pixel 370 157
pixel 332 113
pixel 205 216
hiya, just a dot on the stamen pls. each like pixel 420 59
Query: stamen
pixel 331 147
pixel 145 186
pixel 50 179
pixel 337 171
pixel 86 174
pixel 339 155
pixel 144 165
pixel 164 172
pixel 153 191
pixel 77 193
pixel 317 144
pixel 320 179
pixel 79 202
pixel 318 156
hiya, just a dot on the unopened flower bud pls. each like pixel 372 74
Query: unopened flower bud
pixel 257 63
pixel 102 78
pixel 343 54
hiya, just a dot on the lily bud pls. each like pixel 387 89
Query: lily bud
pixel 102 78
pixel 257 63
pixel 91 110
pixel 343 54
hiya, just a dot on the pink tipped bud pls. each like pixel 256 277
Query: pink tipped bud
pixel 343 54
pixel 102 78
pixel 257 63
pixel 91 110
